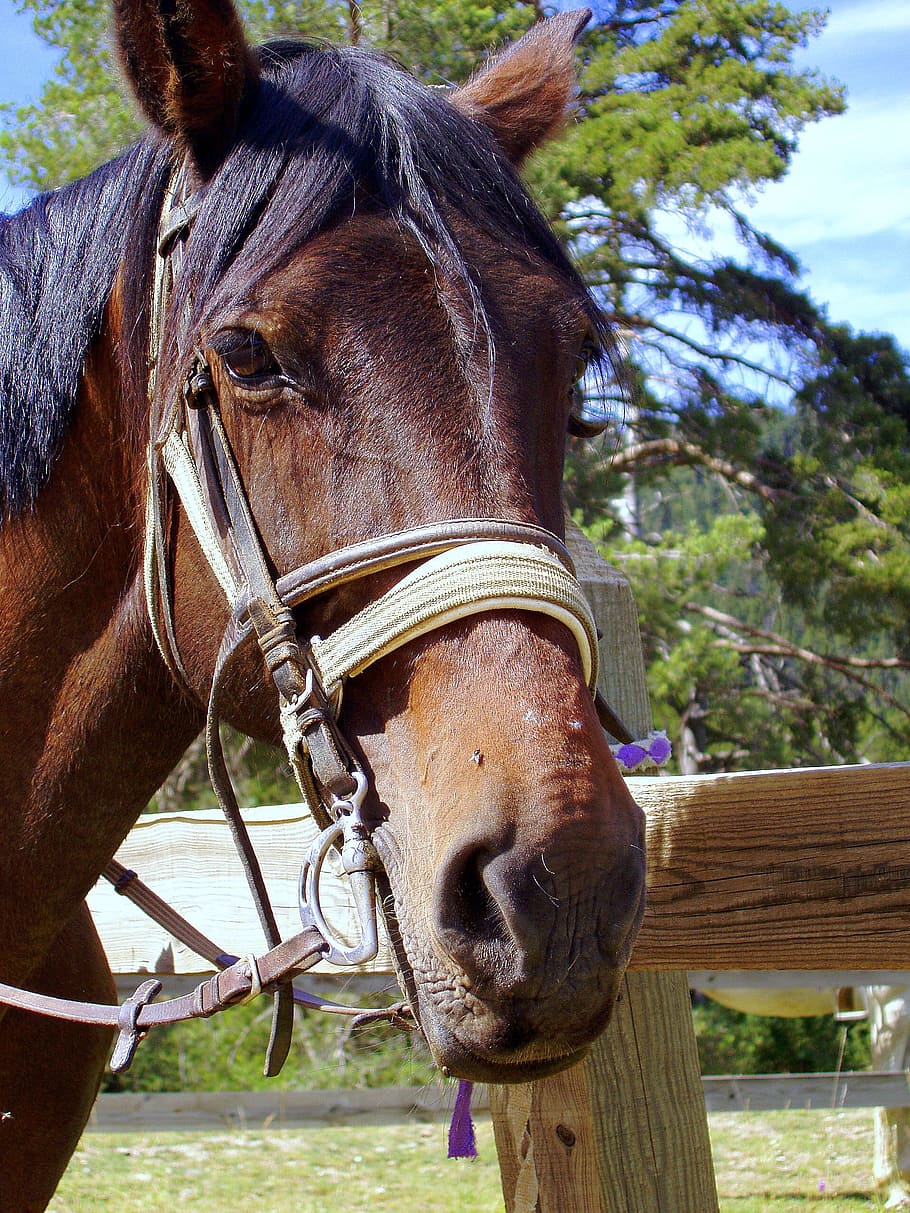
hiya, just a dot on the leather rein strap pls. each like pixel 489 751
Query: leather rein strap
pixel 239 982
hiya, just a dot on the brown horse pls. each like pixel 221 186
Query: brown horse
pixel 394 336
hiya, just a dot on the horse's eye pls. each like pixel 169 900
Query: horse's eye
pixel 247 358
pixel 583 361
pixel 581 426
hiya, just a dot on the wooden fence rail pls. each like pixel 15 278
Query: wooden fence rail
pixel 732 881
pixel 186 1111
pixel 801 869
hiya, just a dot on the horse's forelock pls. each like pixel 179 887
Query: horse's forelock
pixel 331 127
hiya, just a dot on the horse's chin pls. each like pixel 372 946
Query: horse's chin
pixel 459 1059
pixel 494 1046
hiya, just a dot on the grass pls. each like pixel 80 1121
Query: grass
pixel 793 1162
pixel 778 1162
pixel 344 1169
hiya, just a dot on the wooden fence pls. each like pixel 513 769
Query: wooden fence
pixel 185 1111
pixel 804 869
pixel 801 869
pixel 774 908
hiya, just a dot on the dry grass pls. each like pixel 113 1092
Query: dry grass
pixel 782 1162
pixel 342 1169
pixel 793 1162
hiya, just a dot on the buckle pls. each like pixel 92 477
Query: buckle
pixel 199 386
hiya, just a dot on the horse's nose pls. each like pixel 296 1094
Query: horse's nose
pixel 495 915
pixel 521 911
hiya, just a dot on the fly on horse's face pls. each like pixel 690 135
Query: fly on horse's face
pixel 394 337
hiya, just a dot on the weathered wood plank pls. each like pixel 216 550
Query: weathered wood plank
pixel 810 1092
pixel 189 859
pixel 329 985
pixel 789 979
pixel 737 877
pixel 182 1112
pixel 178 1111
pixel 656 1101
pixel 626 1131
pixel 778 870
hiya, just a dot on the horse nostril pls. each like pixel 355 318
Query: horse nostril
pixel 480 922
pixel 466 912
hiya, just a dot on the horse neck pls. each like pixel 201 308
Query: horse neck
pixel 92 721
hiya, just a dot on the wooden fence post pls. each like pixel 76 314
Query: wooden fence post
pixel 626 1131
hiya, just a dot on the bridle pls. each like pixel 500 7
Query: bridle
pixel 457 568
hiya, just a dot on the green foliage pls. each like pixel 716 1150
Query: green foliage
pixel 758 655
pixel 840 539
pixel 259 773
pixel 690 109
pixel 83 117
pixel 443 41
pixel 769 552
pixel 730 1042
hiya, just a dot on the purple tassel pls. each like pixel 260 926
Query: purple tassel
pixel 462 1143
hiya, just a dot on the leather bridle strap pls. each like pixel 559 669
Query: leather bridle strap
pixel 196 482
pixel 126 883
pixel 243 979
pixel 456 585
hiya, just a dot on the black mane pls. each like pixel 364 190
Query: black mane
pixel 325 126
pixel 58 260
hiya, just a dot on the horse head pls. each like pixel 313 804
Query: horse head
pixel 393 336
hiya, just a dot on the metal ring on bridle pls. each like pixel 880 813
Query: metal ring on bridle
pixel 360 863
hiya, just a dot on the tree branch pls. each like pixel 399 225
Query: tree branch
pixel 720 355
pixel 775 639
pixel 667 452
pixel 775 645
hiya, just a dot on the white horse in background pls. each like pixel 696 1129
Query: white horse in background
pixel 888 1010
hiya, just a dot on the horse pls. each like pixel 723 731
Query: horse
pixel 387 336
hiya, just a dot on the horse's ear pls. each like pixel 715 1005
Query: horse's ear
pixel 189 66
pixel 522 95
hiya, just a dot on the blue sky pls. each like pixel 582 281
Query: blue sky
pixel 844 209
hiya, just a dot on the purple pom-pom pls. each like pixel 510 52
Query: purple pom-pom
pixel 654 750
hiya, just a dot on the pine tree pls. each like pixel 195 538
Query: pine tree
pixel 753 479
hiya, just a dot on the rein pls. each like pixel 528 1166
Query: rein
pixel 459 567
